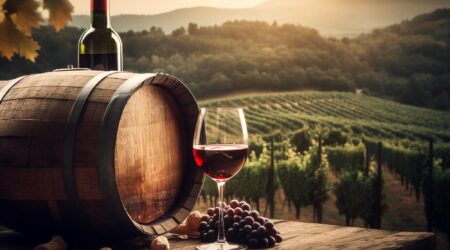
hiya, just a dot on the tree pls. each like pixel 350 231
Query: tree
pixel 193 29
pixel 179 32
pixel 19 17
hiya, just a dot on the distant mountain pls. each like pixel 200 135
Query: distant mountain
pixel 330 17
pixel 341 17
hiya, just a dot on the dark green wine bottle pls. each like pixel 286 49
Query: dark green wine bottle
pixel 100 47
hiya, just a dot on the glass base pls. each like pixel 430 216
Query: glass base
pixel 221 246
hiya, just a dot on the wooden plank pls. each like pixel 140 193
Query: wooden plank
pixel 122 75
pixel 36 184
pixel 57 80
pixel 43 92
pixel 297 235
pixel 32 128
pixel 25 152
pixel 36 109
pixel 100 94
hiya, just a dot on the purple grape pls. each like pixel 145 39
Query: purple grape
pixel 263 242
pixel 236 226
pixel 278 238
pixel 271 241
pixel 205 218
pixel 210 211
pixel 230 234
pixel 237 218
pixel 268 225
pixel 272 231
pixel 254 214
pixel 249 220
pixel 262 230
pixel 253 243
pixel 238 211
pixel 245 207
pixel 212 235
pixel 241 236
pixel 245 213
pixel 254 234
pixel 228 221
pixel 256 225
pixel 260 220
pixel 203 225
pixel 242 223
pixel 230 212
pixel 204 237
pixel 248 228
pixel 234 203
pixel 216 210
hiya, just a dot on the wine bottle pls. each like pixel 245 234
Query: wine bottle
pixel 100 47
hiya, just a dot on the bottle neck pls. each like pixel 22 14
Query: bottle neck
pixel 100 14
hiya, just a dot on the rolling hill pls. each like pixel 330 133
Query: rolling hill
pixel 331 17
pixel 355 114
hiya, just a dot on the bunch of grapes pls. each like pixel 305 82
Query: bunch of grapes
pixel 242 225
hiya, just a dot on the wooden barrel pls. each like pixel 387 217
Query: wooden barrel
pixel 96 153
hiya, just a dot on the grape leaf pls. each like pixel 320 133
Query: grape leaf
pixel 14 41
pixel 2 14
pixel 28 48
pixel 59 12
pixel 25 15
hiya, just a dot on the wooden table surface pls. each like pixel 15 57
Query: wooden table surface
pixel 297 235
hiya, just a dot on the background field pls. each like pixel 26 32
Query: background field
pixel 355 114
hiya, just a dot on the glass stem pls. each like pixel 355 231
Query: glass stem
pixel 221 235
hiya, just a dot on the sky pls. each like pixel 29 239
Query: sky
pixel 153 7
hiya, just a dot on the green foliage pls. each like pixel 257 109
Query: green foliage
pixel 251 182
pixel 304 177
pixel 296 180
pixel 409 163
pixel 346 158
pixel 335 138
pixel 302 140
pixel 318 164
pixel 355 192
pixel 256 145
pixel 352 192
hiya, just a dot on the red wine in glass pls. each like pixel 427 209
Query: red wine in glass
pixel 220 161
pixel 220 148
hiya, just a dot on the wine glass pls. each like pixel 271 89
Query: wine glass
pixel 220 149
